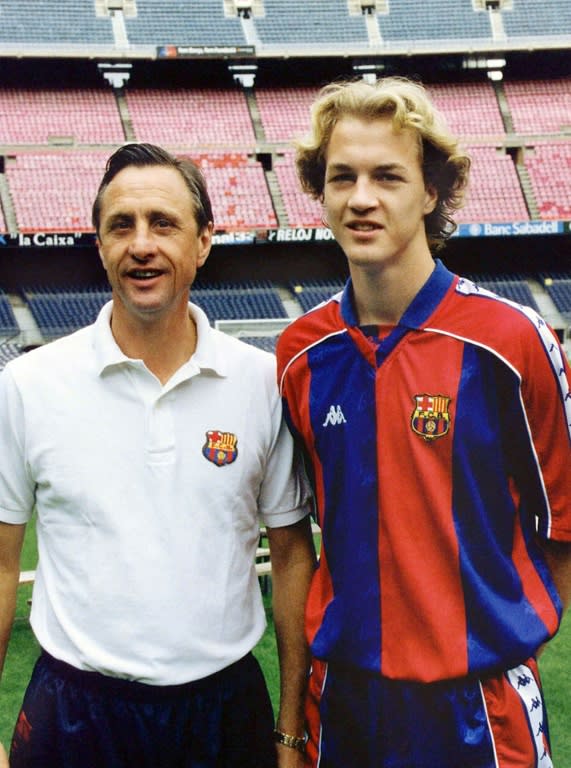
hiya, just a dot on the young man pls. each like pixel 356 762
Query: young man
pixel 435 420
pixel 152 448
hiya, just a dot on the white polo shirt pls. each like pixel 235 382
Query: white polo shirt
pixel 149 499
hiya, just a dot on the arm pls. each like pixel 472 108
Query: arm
pixel 558 556
pixel 11 539
pixel 293 563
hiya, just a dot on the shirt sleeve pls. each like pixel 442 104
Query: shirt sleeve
pixel 17 488
pixel 547 397
pixel 285 496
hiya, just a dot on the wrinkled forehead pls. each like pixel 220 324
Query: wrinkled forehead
pixel 147 188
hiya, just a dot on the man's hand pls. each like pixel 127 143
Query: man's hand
pixel 4 758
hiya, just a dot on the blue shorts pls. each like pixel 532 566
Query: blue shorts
pixel 75 719
pixel 358 719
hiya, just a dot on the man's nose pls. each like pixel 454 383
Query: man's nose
pixel 362 195
pixel 142 245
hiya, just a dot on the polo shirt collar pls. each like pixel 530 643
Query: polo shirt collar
pixel 208 355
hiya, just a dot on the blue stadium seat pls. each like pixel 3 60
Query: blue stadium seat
pixel 8 323
pixel 8 351
pixel 190 23
pixel 514 290
pixel 58 312
pixel 325 22
pixel 65 21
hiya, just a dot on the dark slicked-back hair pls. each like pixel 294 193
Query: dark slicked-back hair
pixel 142 155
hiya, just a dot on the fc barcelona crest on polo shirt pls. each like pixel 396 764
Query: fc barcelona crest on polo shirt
pixel 431 418
pixel 220 447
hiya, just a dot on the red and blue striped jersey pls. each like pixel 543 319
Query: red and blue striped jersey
pixel 440 459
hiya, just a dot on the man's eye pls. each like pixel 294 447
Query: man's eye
pixel 119 224
pixel 339 177
pixel 389 177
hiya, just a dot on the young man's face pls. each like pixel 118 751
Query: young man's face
pixel 374 196
pixel 149 241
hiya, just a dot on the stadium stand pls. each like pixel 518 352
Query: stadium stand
pixel 549 168
pixel 299 22
pixel 54 191
pixel 231 303
pixel 63 115
pixel 560 293
pixel 301 210
pixel 8 323
pixel 55 138
pixel 471 109
pixel 284 111
pixel 494 193
pixel 180 117
pixel 280 26
pixel 536 20
pixel 517 291
pixel 191 23
pixel 58 312
pixel 433 22
pixel 72 23
pixel 8 351
pixel 540 106
pixel 311 293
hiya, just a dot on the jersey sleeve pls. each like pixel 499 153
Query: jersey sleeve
pixel 546 391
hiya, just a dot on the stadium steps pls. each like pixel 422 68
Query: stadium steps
pixel 291 305
pixel 276 195
pixel 124 115
pixel 29 330
pixel 503 106
pixel 546 307
pixel 255 115
pixel 7 205
pixel 527 189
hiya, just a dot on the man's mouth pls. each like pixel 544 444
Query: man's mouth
pixel 363 226
pixel 143 274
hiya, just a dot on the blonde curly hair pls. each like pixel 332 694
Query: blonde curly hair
pixel 444 166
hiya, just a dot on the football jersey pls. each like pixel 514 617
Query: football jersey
pixel 440 459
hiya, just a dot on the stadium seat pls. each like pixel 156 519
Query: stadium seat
pixel 549 168
pixel 74 115
pixel 494 192
pixel 539 106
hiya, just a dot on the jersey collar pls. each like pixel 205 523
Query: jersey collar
pixel 421 307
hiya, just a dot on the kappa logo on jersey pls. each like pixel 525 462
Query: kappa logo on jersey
pixel 431 418
pixel 334 416
pixel 220 447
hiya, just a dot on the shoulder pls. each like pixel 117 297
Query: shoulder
pixel 512 331
pixel 47 359
pixel 314 327
pixel 242 359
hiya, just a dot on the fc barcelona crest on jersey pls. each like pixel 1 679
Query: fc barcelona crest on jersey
pixel 431 418
pixel 220 447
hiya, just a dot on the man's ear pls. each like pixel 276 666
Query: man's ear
pixel 431 200
pixel 204 244
pixel 100 252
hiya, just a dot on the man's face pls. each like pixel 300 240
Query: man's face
pixel 149 241
pixel 374 196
